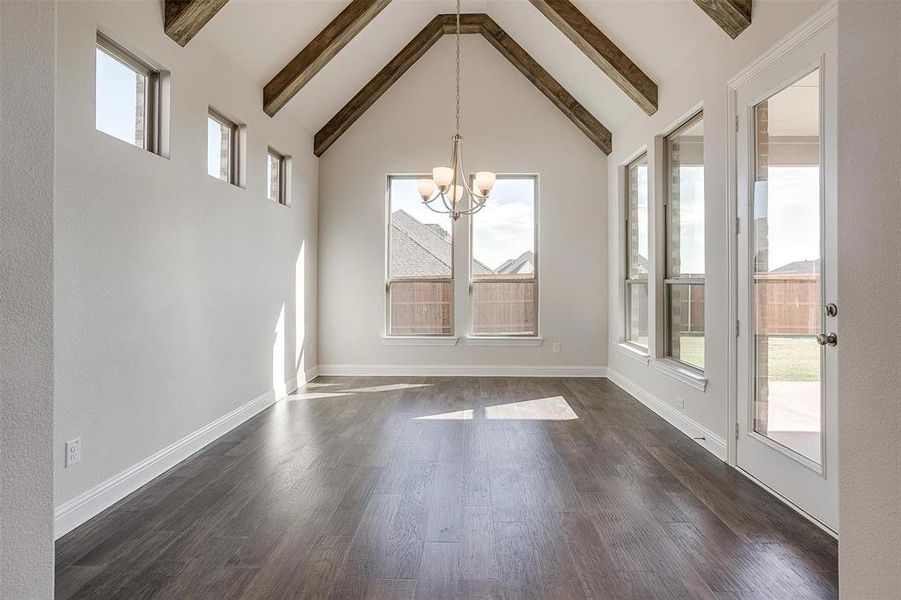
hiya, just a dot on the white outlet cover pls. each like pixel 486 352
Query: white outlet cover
pixel 556 348
pixel 680 402
pixel 73 452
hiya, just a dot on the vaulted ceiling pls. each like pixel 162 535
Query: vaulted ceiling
pixel 263 36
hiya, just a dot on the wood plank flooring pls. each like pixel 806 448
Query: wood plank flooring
pixel 458 488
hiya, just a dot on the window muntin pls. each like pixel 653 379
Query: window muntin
pixel 637 253
pixel 420 263
pixel 276 177
pixel 504 261
pixel 126 95
pixel 222 145
pixel 684 244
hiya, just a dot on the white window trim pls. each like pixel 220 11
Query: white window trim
pixel 682 372
pixel 635 352
pixel 504 341
pixel 419 340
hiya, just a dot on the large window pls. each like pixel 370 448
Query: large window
pixel 684 244
pixel 637 265
pixel 127 96
pixel 504 266
pixel 420 263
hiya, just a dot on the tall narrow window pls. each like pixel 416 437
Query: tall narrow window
pixel 222 147
pixel 276 177
pixel 637 265
pixel 126 95
pixel 504 266
pixel 420 263
pixel 684 282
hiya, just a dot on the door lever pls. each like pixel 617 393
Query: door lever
pixel 827 339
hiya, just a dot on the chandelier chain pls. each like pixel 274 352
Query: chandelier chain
pixel 458 69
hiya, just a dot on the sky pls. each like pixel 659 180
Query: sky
pixel 116 98
pixel 793 210
pixel 503 229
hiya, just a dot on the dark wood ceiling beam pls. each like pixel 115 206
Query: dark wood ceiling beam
pixel 425 39
pixel 323 48
pixel 602 51
pixel 733 16
pixel 184 18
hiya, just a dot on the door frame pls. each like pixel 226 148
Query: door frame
pixel 825 17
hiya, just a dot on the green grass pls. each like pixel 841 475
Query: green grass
pixel 790 358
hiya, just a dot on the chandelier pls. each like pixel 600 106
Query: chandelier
pixel 449 184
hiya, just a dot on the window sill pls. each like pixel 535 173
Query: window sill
pixel 681 372
pixel 504 341
pixel 634 352
pixel 419 340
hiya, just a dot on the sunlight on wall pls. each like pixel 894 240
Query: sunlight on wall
pixel 278 356
pixel 299 312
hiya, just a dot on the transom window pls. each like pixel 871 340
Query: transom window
pixel 420 282
pixel 276 177
pixel 127 96
pixel 684 244
pixel 222 147
pixel 637 263
pixel 504 262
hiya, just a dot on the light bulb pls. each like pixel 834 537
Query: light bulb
pixel 485 181
pixel 454 194
pixel 443 177
pixel 426 188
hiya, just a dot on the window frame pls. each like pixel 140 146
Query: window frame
pixel 535 279
pixel 153 141
pixel 389 280
pixel 628 281
pixel 668 280
pixel 235 156
pixel 283 187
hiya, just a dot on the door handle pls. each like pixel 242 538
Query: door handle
pixel 827 339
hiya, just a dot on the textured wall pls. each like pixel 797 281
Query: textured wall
pixel 509 127
pixel 869 281
pixel 27 53
pixel 179 297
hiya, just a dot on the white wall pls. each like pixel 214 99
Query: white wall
pixel 508 126
pixel 868 290
pixel 700 82
pixel 27 53
pixel 178 297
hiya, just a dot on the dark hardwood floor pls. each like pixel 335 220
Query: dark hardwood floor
pixel 384 488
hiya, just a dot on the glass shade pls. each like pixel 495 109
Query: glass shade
pixel 454 194
pixel 485 181
pixel 425 187
pixel 442 176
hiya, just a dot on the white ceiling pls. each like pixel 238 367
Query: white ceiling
pixel 261 36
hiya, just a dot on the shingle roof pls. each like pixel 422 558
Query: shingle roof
pixel 419 250
pixel 518 265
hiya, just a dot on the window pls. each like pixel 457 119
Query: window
pixel 684 244
pixel 637 265
pixel 504 265
pixel 420 263
pixel 223 151
pixel 127 96
pixel 277 177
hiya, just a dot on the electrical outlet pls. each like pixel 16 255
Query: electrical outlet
pixel 73 452
pixel 556 348
pixel 680 402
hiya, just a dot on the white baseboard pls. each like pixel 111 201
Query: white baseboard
pixel 711 441
pixel 74 512
pixel 311 374
pixel 459 371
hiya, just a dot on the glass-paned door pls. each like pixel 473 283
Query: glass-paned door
pixel 787 345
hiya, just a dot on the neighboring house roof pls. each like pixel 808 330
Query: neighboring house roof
pixel 799 266
pixel 421 250
pixel 524 263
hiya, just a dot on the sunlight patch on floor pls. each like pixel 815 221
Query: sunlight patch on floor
pixel 315 395
pixel 390 387
pixel 554 408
